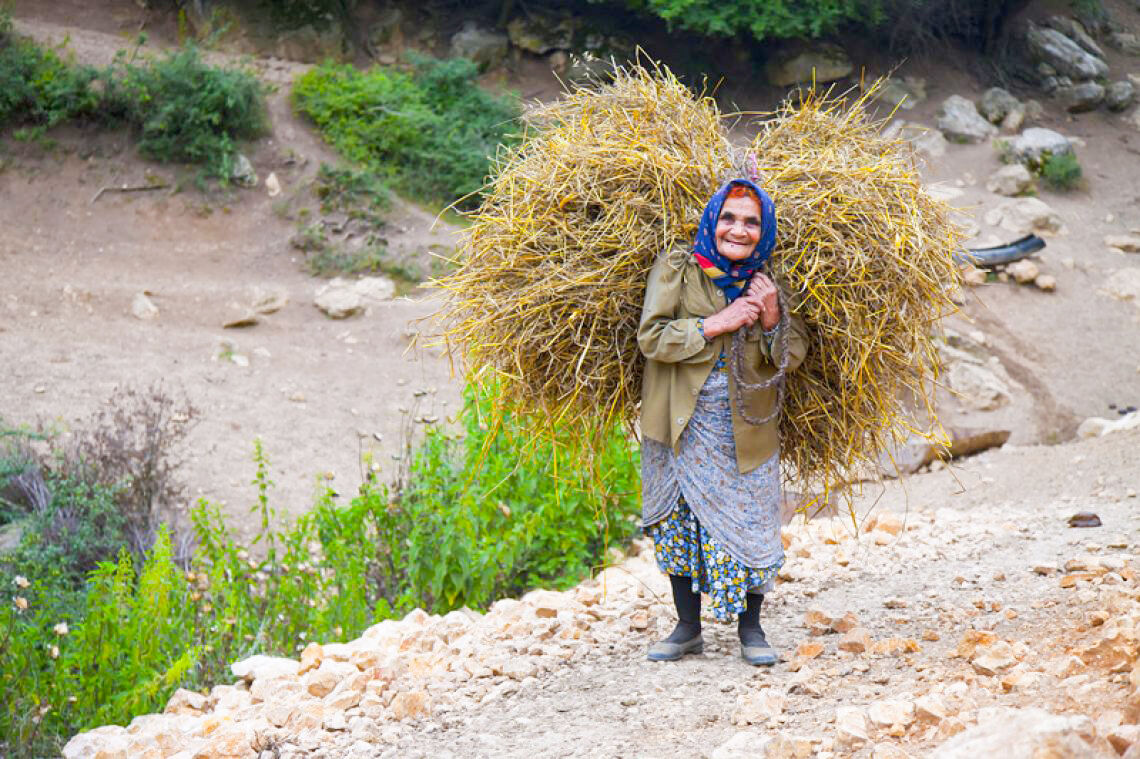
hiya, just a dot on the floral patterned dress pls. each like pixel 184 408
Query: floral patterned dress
pixel 707 520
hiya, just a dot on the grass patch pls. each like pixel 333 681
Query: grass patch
pixel 431 133
pixel 1061 171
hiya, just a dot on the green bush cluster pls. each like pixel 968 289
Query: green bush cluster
pixel 775 19
pixel 1061 171
pixel 37 87
pixel 187 111
pixel 470 522
pixel 431 132
pixel 183 109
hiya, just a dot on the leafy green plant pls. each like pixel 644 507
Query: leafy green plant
pixel 490 513
pixel 1061 171
pixel 475 517
pixel 431 133
pixel 37 87
pixel 779 19
pixel 188 111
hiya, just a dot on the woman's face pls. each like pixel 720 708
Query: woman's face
pixel 738 228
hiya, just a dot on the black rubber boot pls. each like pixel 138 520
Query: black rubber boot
pixel 754 646
pixel 686 636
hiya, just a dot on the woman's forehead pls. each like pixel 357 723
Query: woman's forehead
pixel 741 206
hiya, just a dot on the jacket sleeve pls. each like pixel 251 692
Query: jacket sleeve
pixel 660 335
pixel 797 337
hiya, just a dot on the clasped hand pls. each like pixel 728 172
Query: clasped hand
pixel 759 303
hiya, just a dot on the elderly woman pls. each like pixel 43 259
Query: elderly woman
pixel 710 477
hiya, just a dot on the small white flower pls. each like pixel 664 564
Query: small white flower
pixel 55 652
pixel 21 603
pixel 21 582
pixel 61 629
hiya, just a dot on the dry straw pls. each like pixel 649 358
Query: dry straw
pixel 547 295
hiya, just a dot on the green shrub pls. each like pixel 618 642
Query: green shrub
pixel 431 132
pixel 779 19
pixel 493 513
pixel 37 87
pixel 471 522
pixel 1061 171
pixel 183 109
pixel 188 111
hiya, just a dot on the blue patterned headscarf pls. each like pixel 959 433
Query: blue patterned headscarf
pixel 732 276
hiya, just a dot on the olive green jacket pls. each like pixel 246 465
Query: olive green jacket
pixel 680 359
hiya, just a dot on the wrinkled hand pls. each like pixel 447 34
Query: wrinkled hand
pixel 742 312
pixel 762 292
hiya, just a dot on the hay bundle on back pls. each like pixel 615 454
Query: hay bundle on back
pixel 548 292
pixel 869 255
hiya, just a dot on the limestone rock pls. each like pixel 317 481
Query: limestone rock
pixel 979 386
pixel 486 47
pixel 903 93
pixel 1027 734
pixel 1023 271
pixel 143 308
pixel 1063 54
pixel 1119 95
pixel 758 708
pixel 1124 737
pixel 1081 97
pixel 744 745
pixel 338 302
pixel 930 709
pixel 1024 216
pixel 264 667
pixel 959 121
pixel 856 641
pixel 1075 31
pixel 541 34
pixel 410 705
pixel 996 104
pixel 242 172
pixel 321 681
pixel 186 702
pixel 994 659
pixel 850 727
pixel 888 751
pixel 827 62
pixel 1010 180
pixel 1045 283
pixel 891 712
pixel 1034 144
pixel 1125 243
pixel 108 742
pixel 230 742
pixel 1125 42
pixel 340 298
pixel 1124 284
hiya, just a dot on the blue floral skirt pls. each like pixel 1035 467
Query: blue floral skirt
pixel 684 548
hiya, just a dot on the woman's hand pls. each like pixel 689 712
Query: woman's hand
pixel 742 312
pixel 762 292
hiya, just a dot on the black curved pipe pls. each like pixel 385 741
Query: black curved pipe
pixel 988 258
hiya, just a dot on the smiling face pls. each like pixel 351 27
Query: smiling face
pixel 738 228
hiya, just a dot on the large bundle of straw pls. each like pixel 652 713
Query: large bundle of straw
pixel 869 255
pixel 548 292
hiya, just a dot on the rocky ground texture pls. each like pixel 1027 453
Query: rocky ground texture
pixel 962 617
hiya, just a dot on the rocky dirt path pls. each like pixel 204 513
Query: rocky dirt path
pixel 938 616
